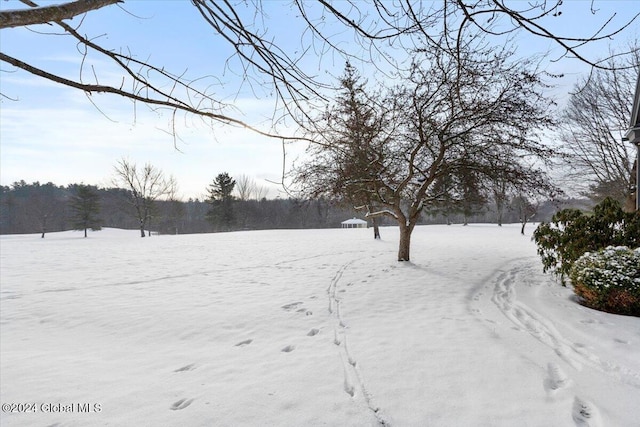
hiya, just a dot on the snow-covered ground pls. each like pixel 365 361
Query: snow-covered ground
pixel 305 328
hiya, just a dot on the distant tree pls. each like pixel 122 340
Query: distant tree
pixel 221 200
pixel 171 212
pixel 498 188
pixel 526 207
pixel 245 187
pixel 592 126
pixel 146 185
pixel 472 192
pixel 45 205
pixel 246 190
pixel 85 207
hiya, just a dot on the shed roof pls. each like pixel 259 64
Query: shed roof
pixel 354 221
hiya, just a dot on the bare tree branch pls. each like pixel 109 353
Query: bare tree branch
pixel 375 31
pixel 42 15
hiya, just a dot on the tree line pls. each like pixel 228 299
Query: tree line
pixel 42 208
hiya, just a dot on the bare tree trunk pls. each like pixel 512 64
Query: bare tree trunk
pixel 44 226
pixel 499 211
pixel 405 243
pixel 85 232
pixel 376 228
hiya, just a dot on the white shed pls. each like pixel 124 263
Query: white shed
pixel 354 223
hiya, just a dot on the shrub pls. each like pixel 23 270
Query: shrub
pixel 571 233
pixel 609 280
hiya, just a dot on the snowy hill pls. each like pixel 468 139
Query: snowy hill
pixel 305 328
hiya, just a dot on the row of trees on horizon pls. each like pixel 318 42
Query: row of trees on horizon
pixel 41 208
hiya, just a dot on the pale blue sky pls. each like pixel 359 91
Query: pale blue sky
pixel 56 134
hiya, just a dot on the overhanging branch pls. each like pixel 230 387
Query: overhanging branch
pixel 42 15
pixel 96 88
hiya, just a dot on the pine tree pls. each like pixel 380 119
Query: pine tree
pixel 85 207
pixel 221 200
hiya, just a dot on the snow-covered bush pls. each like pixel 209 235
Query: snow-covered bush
pixel 609 279
pixel 571 233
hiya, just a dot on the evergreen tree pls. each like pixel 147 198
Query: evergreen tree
pixel 85 207
pixel 221 201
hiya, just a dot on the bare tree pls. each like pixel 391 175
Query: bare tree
pixel 499 191
pixel 260 192
pixel 527 207
pixel 245 187
pixel 146 185
pixel 377 31
pixel 45 207
pixel 477 112
pixel 174 209
pixel 592 127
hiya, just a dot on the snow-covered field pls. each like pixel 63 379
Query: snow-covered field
pixel 305 328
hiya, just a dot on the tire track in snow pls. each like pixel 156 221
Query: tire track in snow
pixel 353 383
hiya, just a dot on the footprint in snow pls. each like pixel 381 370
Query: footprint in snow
pixel 181 404
pixel 313 332
pixel 185 368
pixel 288 349
pixel 243 343
pixel 585 414
pixel 348 387
pixel 291 306
pixel 556 379
pixel 336 340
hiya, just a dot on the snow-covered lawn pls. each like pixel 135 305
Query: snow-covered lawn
pixel 305 328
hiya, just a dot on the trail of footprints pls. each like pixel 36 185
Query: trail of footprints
pixel 184 402
pixel 297 306
pixel 583 412
pixel 353 383
pixel 556 381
